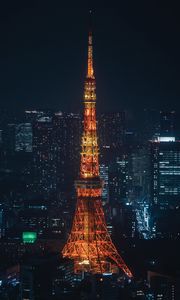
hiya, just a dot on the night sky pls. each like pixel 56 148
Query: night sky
pixel 136 51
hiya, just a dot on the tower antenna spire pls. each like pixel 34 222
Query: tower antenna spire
pixel 90 19
pixel 90 69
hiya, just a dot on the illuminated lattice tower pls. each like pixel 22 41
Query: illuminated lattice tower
pixel 89 243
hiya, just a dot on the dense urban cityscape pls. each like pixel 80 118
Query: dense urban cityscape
pixel 140 169
pixel 89 200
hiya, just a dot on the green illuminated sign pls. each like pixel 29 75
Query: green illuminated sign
pixel 29 237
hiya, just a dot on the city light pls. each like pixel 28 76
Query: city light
pixel 29 237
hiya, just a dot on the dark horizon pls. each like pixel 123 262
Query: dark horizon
pixel 136 53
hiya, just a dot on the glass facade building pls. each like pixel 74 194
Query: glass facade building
pixel 165 156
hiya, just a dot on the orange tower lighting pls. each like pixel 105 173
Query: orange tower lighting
pixel 89 243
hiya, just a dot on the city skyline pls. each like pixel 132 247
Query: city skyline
pixel 89 200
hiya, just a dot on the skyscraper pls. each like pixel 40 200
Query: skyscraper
pixel 165 179
pixel 104 174
pixel 119 180
pixel 23 137
pixel 66 136
pixel 43 157
pixel 165 186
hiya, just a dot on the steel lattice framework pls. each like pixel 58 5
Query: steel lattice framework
pixel 89 243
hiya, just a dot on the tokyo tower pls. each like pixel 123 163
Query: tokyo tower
pixel 89 243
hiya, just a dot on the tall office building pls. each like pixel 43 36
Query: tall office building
pixel 23 137
pixel 104 175
pixel 55 151
pixel 140 170
pixel 44 169
pixel 119 180
pixel 66 139
pixel 165 186
pixel 111 129
pixel 165 168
